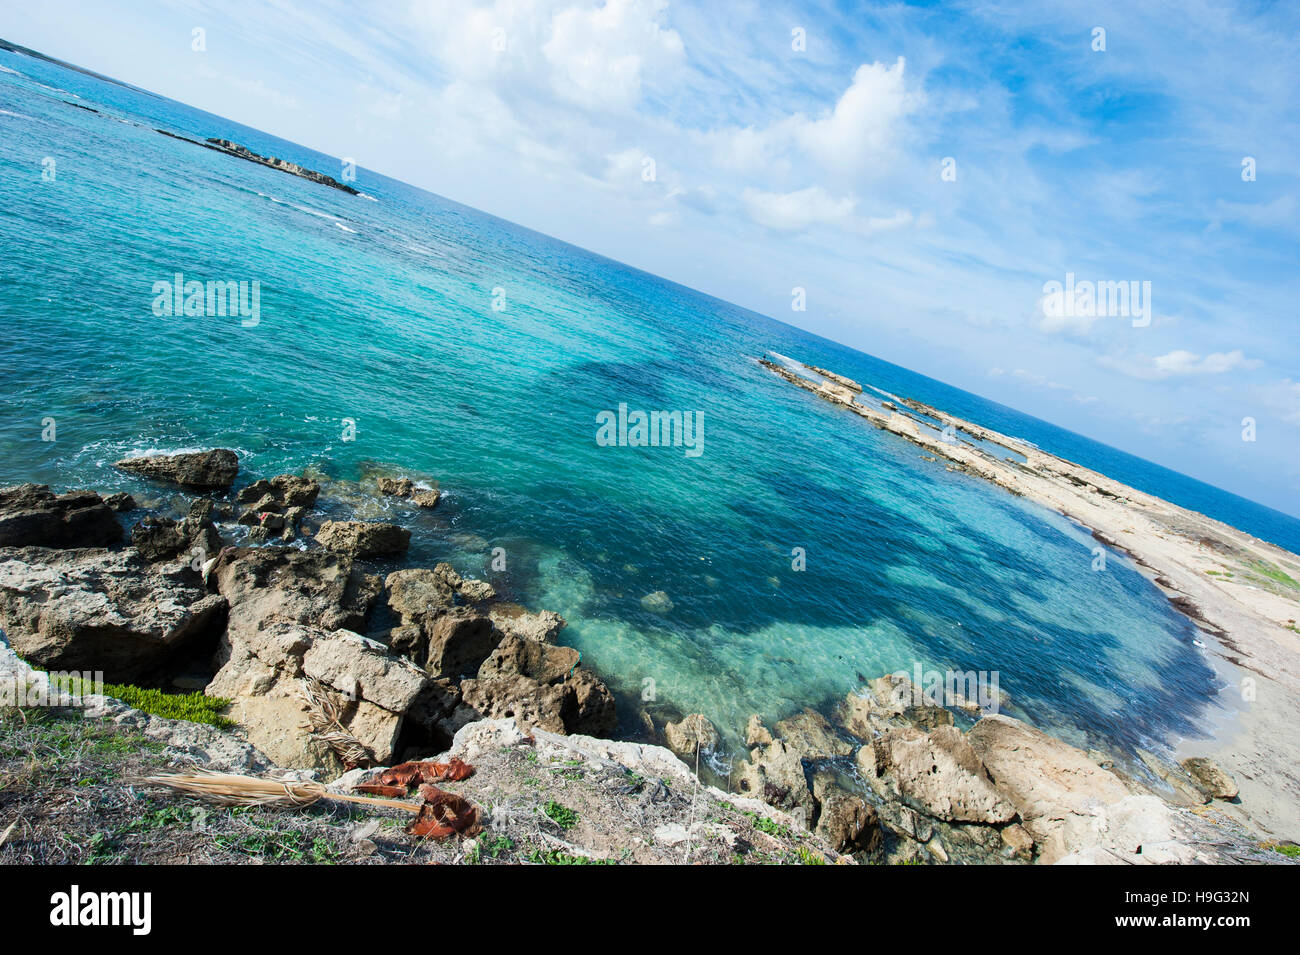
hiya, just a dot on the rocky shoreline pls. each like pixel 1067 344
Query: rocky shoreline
pixel 1241 592
pixel 280 631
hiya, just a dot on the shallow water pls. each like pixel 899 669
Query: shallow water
pixel 381 311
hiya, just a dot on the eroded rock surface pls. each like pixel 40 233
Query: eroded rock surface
pixel 213 470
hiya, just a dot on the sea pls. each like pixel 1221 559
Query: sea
pixel 789 556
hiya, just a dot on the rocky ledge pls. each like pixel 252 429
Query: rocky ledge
pixel 283 626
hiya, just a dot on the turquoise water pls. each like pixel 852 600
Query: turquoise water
pixel 379 309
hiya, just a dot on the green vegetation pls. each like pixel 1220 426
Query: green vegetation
pixel 563 816
pixel 1275 574
pixel 556 857
pixel 194 707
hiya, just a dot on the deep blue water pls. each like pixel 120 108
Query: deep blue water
pixel 379 310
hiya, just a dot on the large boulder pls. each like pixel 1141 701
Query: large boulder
pixel 98 610
pixel 267 675
pixel 775 774
pixel 1210 778
pixel 810 734
pixel 267 585
pixel 213 470
pixel 541 685
pixel 363 538
pixel 1060 794
pixel 276 507
pixel 844 820
pixel 940 774
pixel 31 515
pixel 691 736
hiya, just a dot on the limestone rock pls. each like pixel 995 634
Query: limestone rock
pixel 213 470
pixel 810 734
pixel 1210 777
pixel 31 515
pixel 267 585
pixel 694 734
pixel 1058 792
pixel 657 602
pixel 940 774
pixel 92 609
pixel 514 620
pixel 363 538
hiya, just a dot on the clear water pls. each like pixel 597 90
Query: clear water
pixel 381 311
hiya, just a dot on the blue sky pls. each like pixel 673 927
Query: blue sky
pixel 822 168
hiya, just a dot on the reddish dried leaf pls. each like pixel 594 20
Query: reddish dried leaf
pixel 404 775
pixel 409 774
pixel 454 770
pixel 442 814
pixel 378 789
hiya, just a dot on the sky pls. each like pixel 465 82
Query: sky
pixel 922 172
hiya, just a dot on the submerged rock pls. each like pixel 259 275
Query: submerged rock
pixel 31 515
pixel 657 602
pixel 98 610
pixel 363 538
pixel 213 470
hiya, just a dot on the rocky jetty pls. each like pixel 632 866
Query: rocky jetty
pixel 283 165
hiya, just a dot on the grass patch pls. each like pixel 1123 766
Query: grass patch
pixel 561 815
pixel 1275 574
pixel 556 857
pixel 193 707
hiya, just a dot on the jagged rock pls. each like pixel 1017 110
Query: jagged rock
pixel 756 734
pixel 427 499
pixel 512 619
pixel 92 609
pixel 121 502
pixel 844 821
pixel 694 734
pixel 1058 792
pixel 213 470
pixel 284 585
pixel 459 641
pixel 363 538
pixel 541 685
pixel 396 487
pixel 657 602
pixel 517 697
pixel 31 515
pixel 940 774
pixel 195 537
pixel 1210 777
pixel 539 661
pixel 373 690
pixel 775 774
pixel 810 734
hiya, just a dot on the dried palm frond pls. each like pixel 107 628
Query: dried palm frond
pixel 323 723
pixel 229 789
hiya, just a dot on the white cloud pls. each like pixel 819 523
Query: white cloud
pixel 598 55
pixel 795 211
pixel 1181 363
